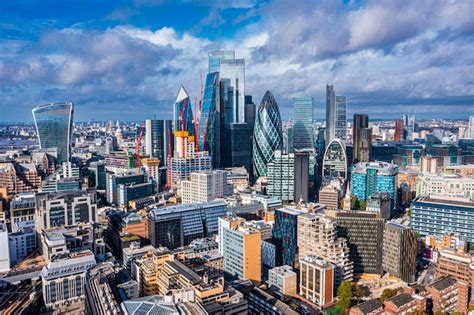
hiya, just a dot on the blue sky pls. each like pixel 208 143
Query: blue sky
pixel 127 59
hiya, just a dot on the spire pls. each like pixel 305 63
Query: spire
pixel 182 94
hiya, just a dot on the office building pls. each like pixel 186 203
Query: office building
pixel 65 209
pixel 364 233
pixel 67 177
pixel 126 193
pixel 330 114
pixel 22 208
pixel 399 251
pixel 408 155
pixel 186 160
pixel 183 119
pixel 281 176
pixel 432 215
pixel 303 115
pixel 175 226
pixel 54 128
pixel 408 127
pixel 22 243
pixel 267 136
pixel 238 145
pixel 361 121
pixel 456 264
pixel 205 186
pixel 448 296
pixel 19 177
pixel 120 161
pixel 97 175
pixel 152 169
pixel 317 280
pixel 63 281
pixel 362 150
pixel 380 203
pixel 283 279
pixel 447 185
pixel 5 252
pixel 227 222
pixel 331 192
pixel 399 131
pixel 317 235
pixel 286 236
pixel 335 160
pixel 209 132
pixel 250 111
pixel 241 247
pixel 340 125
pixel 121 188
pixel 224 62
pixel 372 177
pixel 158 135
pixel 304 174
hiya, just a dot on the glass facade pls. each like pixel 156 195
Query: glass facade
pixel 183 119
pixel 229 67
pixel 303 135
pixel 210 122
pixel 335 160
pixel 267 136
pixel 285 235
pixel 330 113
pixel 54 127
pixel 156 137
pixel 340 131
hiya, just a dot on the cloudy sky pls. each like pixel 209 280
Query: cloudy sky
pixel 118 59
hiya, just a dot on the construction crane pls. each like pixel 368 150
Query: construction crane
pixel 138 144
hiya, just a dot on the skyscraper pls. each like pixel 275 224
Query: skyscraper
pixel 302 176
pixel 340 131
pixel 183 113
pixel 361 139
pixel 409 126
pixel 285 235
pixel 303 135
pixel 335 160
pixel 54 127
pixel 330 113
pixel 281 176
pixel 398 134
pixel 471 127
pixel 210 121
pixel 224 62
pixel 267 136
pixel 250 111
pixel 157 139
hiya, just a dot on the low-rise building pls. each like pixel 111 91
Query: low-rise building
pixel 448 295
pixel 283 279
pixel 317 280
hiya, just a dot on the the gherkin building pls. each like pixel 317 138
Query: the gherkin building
pixel 267 135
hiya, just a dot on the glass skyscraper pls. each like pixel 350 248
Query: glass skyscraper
pixel 303 135
pixel 335 160
pixel 158 137
pixel 267 136
pixel 224 62
pixel 210 122
pixel 54 127
pixel 336 115
pixel 340 131
pixel 183 113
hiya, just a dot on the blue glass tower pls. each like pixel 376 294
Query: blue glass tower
pixel 210 121
pixel 54 127
pixel 183 113
pixel 303 135
pixel 267 136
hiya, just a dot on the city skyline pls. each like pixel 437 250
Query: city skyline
pixel 133 57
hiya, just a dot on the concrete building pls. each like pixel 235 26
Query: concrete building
pixel 283 279
pixel 22 208
pixel 281 176
pixel 430 216
pixel 317 235
pixel 317 280
pixel 22 243
pixel 241 248
pixel 331 193
pixel 19 177
pixel 380 203
pixel 65 209
pixel 4 253
pixel 457 265
pixel 205 187
pixel 64 281
pixel 447 185
pixel 400 251
pixel 262 302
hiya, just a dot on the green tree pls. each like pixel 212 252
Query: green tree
pixel 344 294
pixel 362 204
pixel 387 294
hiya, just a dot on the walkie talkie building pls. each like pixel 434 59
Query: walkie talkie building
pixel 54 127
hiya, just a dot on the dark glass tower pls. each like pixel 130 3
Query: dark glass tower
pixel 54 127
pixel 267 136
pixel 210 122
pixel 183 113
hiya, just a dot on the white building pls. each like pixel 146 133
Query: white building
pixel 4 249
pixel 205 186
pixel 22 243
pixel 444 185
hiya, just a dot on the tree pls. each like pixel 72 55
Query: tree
pixel 344 294
pixel 362 204
pixel 387 294
pixel 358 291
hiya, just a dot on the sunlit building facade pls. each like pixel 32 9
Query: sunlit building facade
pixel 54 127
pixel 303 114
pixel 335 160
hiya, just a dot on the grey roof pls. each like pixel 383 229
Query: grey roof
pixel 401 299
pixel 149 305
pixel 443 284
pixel 76 263
pixel 370 306
pixel 193 277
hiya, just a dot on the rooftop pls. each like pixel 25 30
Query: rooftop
pixel 443 283
pixel 370 306
pixel 445 201
pixel 401 299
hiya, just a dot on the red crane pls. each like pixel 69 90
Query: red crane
pixel 138 144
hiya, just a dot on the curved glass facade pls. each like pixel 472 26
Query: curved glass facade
pixel 54 127
pixel 183 104
pixel 267 136
pixel 209 123
pixel 335 160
